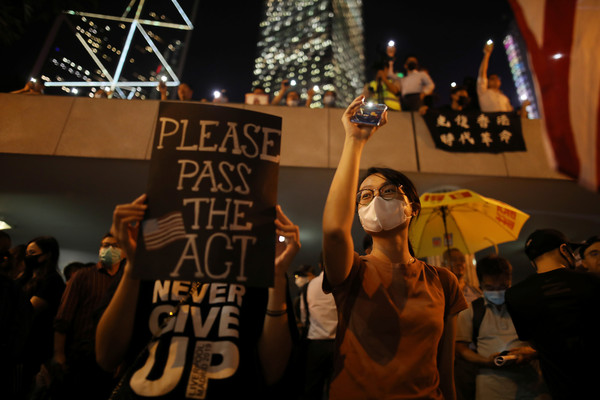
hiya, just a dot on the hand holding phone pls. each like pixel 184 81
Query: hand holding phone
pixel 369 114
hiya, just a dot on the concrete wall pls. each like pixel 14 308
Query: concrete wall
pixel 123 129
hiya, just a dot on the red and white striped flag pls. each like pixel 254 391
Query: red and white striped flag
pixel 562 39
pixel 159 232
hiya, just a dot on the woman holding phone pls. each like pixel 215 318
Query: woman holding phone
pixel 396 314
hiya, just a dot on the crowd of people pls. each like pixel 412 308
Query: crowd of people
pixel 378 325
pixel 411 91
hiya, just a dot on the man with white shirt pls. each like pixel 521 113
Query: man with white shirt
pixel 321 319
pixel 491 98
pixel 415 85
pixel 485 331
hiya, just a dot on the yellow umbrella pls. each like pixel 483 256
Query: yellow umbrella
pixel 468 221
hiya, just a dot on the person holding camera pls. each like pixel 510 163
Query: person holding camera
pixel 396 314
pixel 385 88
pixel 486 331
pixel 292 97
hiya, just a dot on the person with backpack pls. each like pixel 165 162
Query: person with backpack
pixel 486 338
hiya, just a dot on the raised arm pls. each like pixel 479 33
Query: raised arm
pixel 487 52
pixel 338 248
pixel 309 97
pixel 275 344
pixel 162 88
pixel 115 328
pixel 277 99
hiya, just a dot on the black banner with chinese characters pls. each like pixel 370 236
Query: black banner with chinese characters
pixel 212 194
pixel 475 131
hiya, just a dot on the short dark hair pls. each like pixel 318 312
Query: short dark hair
pixel 411 56
pixel 457 89
pixel 304 270
pixel 590 241
pixel 493 265
pixel 71 268
pixel 447 252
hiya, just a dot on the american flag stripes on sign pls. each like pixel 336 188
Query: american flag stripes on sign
pixel 159 232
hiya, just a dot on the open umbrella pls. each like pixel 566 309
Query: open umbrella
pixel 465 220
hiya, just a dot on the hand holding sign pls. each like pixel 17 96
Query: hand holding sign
pixel 287 250
pixel 126 224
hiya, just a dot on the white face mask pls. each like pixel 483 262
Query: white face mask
pixel 292 103
pixel 382 214
pixel 109 255
pixel 328 100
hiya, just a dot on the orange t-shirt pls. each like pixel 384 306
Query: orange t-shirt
pixel 391 319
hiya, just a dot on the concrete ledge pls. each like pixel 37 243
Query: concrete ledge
pixel 32 124
pixel 109 128
pixel 123 129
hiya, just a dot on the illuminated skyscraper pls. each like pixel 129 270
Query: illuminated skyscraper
pixel 312 42
pixel 125 53
pixel 516 51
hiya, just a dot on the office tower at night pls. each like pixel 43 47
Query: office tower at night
pixel 312 43
pixel 125 50
pixel 516 51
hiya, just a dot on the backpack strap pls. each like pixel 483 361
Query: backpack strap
pixel 478 313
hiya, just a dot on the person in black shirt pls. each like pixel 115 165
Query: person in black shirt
pixel 556 310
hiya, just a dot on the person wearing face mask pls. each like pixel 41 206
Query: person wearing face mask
pixel 485 330
pixel 329 98
pixel 43 286
pixel 556 310
pixel 75 328
pixel 292 97
pixel 396 314
pixel 459 101
pixel 415 85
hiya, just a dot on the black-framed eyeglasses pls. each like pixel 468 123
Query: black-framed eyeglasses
pixel 387 191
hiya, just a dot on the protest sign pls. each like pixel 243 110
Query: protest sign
pixel 212 194
pixel 475 131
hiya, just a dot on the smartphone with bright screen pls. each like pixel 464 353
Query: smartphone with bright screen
pixel 369 114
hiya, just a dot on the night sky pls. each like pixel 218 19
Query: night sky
pixel 447 37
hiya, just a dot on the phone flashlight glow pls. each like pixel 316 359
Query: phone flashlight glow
pixel 391 43
pixel 490 41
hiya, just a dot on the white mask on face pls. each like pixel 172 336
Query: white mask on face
pixel 109 255
pixel 292 103
pixel 382 214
